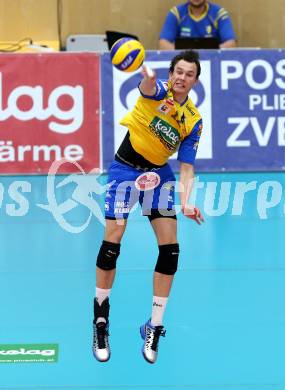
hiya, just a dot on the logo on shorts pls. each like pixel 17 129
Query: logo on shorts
pixel 147 181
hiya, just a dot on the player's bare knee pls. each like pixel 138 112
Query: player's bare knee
pixel 167 260
pixel 108 255
pixel 115 230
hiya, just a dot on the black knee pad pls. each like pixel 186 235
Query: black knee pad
pixel 107 256
pixel 167 259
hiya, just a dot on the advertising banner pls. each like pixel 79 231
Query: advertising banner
pixel 49 110
pixel 28 353
pixel 240 96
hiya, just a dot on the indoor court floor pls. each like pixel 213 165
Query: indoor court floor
pixel 225 318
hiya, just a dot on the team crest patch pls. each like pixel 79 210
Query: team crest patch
pixel 147 181
pixel 164 108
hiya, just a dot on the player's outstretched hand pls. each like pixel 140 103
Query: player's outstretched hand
pixel 148 73
pixel 148 83
pixel 194 213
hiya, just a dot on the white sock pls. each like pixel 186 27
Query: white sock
pixel 101 294
pixel 158 308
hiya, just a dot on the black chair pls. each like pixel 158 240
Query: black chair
pixel 113 36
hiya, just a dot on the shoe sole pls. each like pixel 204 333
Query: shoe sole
pixel 101 361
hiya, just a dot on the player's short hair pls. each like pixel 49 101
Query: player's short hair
pixel 189 56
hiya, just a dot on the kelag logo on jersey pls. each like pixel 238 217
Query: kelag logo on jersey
pixel 168 134
pixel 125 92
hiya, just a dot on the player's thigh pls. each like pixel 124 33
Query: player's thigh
pixel 165 230
pixel 122 194
pixel 114 230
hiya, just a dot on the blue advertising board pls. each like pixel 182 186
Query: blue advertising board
pixel 240 95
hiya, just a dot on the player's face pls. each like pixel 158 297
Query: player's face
pixel 197 3
pixel 184 77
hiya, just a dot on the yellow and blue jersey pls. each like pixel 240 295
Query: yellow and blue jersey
pixel 215 22
pixel 159 126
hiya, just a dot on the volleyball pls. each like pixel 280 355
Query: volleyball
pixel 127 54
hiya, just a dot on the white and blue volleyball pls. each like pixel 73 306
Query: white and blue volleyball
pixel 127 54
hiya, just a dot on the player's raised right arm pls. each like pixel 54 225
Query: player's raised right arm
pixel 148 83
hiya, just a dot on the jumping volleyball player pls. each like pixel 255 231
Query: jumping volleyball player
pixel 163 121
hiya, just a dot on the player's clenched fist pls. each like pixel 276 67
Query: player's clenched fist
pixel 194 213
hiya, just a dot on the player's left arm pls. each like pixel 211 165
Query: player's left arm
pixel 186 156
pixel 186 183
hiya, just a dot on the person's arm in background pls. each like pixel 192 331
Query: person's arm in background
pixel 164 44
pixel 228 44
pixel 169 31
pixel 226 30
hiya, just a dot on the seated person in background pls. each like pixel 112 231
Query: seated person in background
pixel 197 18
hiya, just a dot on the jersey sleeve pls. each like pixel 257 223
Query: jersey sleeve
pixel 225 26
pixel 160 93
pixel 170 28
pixel 188 147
